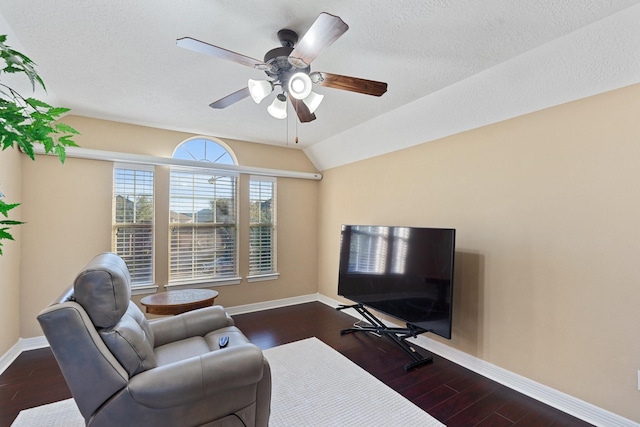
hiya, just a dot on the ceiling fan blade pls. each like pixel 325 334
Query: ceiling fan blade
pixel 231 99
pixel 323 32
pixel 218 52
pixel 353 84
pixel 304 115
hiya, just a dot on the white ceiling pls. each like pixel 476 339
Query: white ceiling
pixel 450 65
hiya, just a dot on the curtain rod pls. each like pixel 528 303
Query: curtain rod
pixel 114 156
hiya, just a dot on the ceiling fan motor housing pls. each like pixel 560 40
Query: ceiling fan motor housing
pixel 288 38
pixel 280 69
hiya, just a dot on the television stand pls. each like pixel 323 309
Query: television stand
pixel 397 335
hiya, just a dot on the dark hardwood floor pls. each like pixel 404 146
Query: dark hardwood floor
pixel 452 394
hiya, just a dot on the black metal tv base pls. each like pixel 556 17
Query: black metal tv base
pixel 396 335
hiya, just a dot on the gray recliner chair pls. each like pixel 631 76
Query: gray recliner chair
pixel 125 371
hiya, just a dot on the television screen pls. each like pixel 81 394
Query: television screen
pixel 405 272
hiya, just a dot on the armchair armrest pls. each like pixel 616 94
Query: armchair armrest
pixel 190 324
pixel 198 377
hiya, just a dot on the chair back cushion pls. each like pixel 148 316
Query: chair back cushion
pixel 103 289
pixel 131 341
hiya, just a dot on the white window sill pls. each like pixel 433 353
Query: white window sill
pixel 263 277
pixel 195 284
pixel 144 289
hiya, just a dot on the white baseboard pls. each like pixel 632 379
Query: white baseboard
pixel 10 356
pixel 249 308
pixel 554 398
pixel 23 344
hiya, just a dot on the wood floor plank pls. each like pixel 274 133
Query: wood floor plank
pixel 480 411
pixel 463 400
pixel 493 420
pixel 428 384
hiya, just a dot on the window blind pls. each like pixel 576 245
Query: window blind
pixel 369 250
pixel 262 226
pixel 203 226
pixel 133 217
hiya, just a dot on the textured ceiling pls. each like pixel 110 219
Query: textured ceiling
pixel 118 60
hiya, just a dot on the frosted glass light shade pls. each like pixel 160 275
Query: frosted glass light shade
pixel 313 101
pixel 259 89
pixel 299 85
pixel 278 108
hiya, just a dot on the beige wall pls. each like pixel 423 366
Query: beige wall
pixel 10 186
pixel 547 211
pixel 546 207
pixel 68 213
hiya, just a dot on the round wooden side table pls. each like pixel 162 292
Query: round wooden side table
pixel 176 302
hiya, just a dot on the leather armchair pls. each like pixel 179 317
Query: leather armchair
pixel 124 370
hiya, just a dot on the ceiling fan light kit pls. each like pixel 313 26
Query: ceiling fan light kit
pixel 259 89
pixel 313 101
pixel 278 108
pixel 299 85
pixel 289 67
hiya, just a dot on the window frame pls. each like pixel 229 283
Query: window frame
pixel 201 280
pixel 136 284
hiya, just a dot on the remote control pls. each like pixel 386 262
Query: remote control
pixel 223 341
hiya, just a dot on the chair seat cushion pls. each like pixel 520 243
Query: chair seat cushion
pixel 180 350
pixel 197 346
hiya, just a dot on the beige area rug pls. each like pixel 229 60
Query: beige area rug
pixel 313 385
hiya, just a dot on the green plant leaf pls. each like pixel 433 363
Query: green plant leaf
pixel 10 222
pixel 66 141
pixel 6 207
pixel 61 153
pixel 27 148
pixel 4 234
pixel 65 128
pixel 17 62
pixel 58 111
pixel 36 103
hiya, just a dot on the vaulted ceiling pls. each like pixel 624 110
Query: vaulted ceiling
pixel 450 65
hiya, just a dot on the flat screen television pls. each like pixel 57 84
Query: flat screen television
pixel 404 272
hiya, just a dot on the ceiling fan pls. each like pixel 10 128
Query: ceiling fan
pixel 289 67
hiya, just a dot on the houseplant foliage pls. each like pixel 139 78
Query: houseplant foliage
pixel 26 121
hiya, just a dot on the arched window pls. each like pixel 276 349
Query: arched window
pixel 203 216
pixel 204 150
